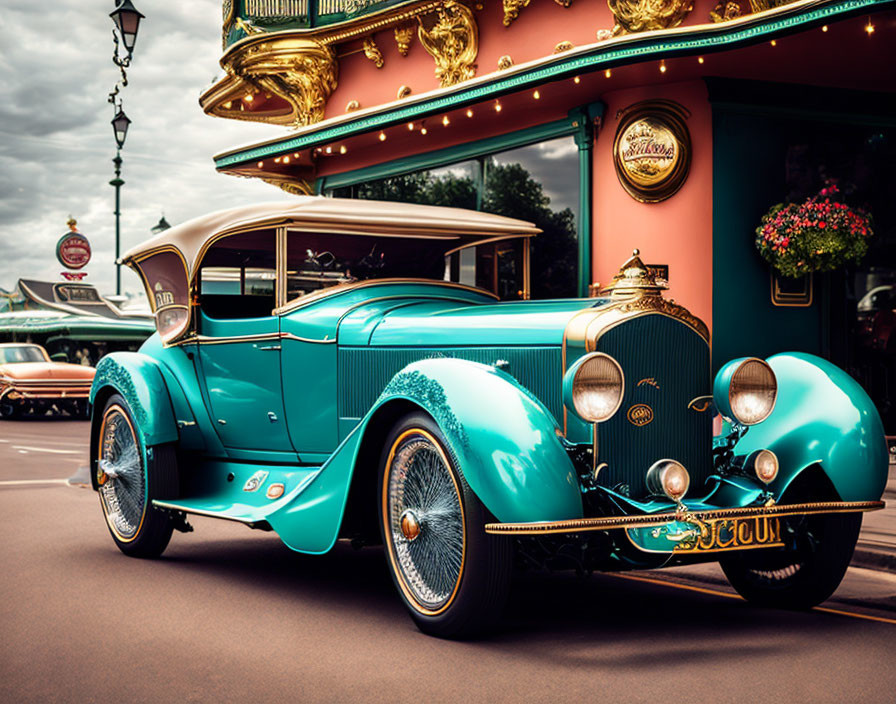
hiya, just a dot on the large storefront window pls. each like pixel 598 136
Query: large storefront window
pixel 538 183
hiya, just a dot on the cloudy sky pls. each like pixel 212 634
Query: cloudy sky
pixel 56 142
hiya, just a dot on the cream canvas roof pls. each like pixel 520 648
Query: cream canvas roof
pixel 339 216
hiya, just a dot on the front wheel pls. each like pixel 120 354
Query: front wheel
pixel 452 576
pixel 804 573
pixel 128 478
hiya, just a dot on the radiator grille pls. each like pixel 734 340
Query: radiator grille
pixel 364 372
pixel 666 365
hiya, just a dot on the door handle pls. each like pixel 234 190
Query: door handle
pixel 270 348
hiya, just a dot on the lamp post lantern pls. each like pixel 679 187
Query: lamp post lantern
pixel 127 21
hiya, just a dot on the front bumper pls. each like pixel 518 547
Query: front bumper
pixel 581 525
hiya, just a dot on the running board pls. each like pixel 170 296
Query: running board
pixel 187 507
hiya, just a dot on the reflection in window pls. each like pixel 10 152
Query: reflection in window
pixel 538 183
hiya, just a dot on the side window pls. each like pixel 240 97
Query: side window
pixel 237 277
pixel 316 261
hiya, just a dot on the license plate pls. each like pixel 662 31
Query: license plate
pixel 722 534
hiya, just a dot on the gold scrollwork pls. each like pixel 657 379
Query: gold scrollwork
pixel 725 10
pixel 646 15
pixel 563 3
pixel 352 105
pixel 563 46
pixel 505 62
pixel 403 37
pixel 372 52
pixel 512 9
pixel 302 72
pixel 296 186
pixel 404 92
pixel 451 36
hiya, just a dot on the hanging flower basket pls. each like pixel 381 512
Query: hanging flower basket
pixel 820 234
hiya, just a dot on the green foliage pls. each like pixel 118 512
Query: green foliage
pixel 820 234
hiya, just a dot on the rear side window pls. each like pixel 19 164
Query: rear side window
pixel 165 278
pixel 237 277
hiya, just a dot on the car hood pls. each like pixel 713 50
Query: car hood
pixel 452 324
pixel 46 370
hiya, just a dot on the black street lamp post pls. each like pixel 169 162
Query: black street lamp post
pixel 127 21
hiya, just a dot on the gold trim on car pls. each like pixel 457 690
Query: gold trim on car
pixel 583 525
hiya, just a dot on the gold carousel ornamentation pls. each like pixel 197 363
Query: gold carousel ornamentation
pixel 451 36
pixel 512 9
pixel 403 38
pixel 564 46
pixel 645 15
pixel 404 92
pixel 302 72
pixel 725 11
pixel 297 187
pixel 505 62
pixel 228 10
pixel 372 52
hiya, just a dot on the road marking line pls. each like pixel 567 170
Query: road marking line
pixel 716 592
pixel 23 482
pixel 45 449
pixel 855 615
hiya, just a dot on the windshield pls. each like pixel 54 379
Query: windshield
pixel 25 353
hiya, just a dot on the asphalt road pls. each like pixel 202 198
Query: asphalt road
pixel 230 614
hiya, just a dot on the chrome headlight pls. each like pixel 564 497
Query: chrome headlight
pixel 746 390
pixel 765 464
pixel 668 477
pixel 593 387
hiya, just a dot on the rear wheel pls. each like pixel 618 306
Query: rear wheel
pixel 129 477
pixel 453 577
pixel 805 572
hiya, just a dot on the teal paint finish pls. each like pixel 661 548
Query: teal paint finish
pixel 309 382
pixel 634 48
pixel 211 492
pixel 504 440
pixel 507 323
pixel 179 369
pixel 139 380
pixel 366 371
pixel 822 416
pixel 243 383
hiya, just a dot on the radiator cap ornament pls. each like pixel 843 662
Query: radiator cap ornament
pixel 635 278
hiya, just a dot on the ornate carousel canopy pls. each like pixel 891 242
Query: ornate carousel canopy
pixel 325 68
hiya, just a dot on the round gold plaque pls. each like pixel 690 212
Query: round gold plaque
pixel 652 150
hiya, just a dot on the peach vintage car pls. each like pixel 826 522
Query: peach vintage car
pixel 30 382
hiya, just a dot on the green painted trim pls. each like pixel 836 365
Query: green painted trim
pixel 450 155
pixel 669 43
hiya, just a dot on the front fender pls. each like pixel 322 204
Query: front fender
pixel 822 416
pixel 139 380
pixel 504 440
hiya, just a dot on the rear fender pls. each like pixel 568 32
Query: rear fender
pixel 139 380
pixel 822 417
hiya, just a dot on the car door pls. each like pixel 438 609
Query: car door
pixel 239 343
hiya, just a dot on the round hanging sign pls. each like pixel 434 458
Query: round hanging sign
pixel 73 250
pixel 652 150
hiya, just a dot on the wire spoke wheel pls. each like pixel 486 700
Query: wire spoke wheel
pixel 122 478
pixel 426 527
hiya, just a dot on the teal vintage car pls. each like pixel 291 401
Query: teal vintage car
pixel 342 369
